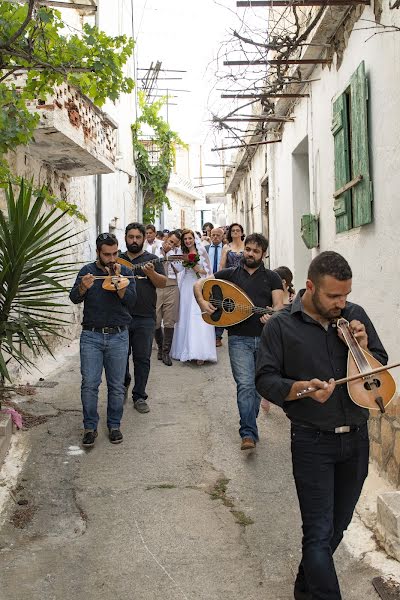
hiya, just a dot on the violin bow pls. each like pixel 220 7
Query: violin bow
pixel 351 378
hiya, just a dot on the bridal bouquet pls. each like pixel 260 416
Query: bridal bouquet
pixel 192 260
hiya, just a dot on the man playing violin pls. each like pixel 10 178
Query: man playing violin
pixel 301 350
pixel 143 321
pixel 104 338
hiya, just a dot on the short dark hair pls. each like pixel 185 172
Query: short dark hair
pixel 229 234
pixel 106 239
pixel 257 238
pixel 139 226
pixel 329 263
pixel 150 226
pixel 176 233
pixel 208 224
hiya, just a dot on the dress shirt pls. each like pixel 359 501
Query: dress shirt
pixel 154 248
pixel 212 249
pixel 171 269
pixel 294 347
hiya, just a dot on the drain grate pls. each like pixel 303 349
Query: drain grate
pixel 45 384
pixel 388 589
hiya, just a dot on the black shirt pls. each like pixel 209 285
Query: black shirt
pixel 103 308
pixel 259 287
pixel 294 347
pixel 146 291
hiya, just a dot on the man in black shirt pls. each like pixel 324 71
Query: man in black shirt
pixel 104 337
pixel 142 326
pixel 300 349
pixel 264 287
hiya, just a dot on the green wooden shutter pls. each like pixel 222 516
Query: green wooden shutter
pixel 362 192
pixel 340 130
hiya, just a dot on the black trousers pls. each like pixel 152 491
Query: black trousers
pixel 329 471
pixel 141 333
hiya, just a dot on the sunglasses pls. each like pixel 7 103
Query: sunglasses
pixel 102 237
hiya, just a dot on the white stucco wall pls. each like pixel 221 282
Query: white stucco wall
pixel 371 250
pixel 181 206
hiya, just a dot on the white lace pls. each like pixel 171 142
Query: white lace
pixel 204 258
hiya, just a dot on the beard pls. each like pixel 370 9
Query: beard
pixel 252 263
pixel 134 248
pixel 332 314
pixel 109 265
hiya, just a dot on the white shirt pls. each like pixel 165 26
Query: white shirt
pixel 154 248
pixel 171 271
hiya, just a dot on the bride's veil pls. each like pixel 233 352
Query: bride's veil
pixel 202 252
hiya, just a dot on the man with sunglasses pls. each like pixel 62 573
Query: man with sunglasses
pixel 105 337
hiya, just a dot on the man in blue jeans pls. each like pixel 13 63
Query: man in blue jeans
pixel 301 354
pixel 104 338
pixel 264 287
pixel 143 322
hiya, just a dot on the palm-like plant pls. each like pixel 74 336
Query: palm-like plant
pixel 33 267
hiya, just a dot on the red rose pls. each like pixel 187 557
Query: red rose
pixel 191 257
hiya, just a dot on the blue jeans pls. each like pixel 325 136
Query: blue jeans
pixel 141 333
pixel 243 355
pixel 329 471
pixel 98 350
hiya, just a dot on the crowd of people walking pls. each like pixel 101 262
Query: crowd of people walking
pixel 287 351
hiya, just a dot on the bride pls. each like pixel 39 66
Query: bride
pixel 193 339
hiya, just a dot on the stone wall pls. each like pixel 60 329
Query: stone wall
pixel 385 441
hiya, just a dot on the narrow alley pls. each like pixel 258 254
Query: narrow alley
pixel 175 512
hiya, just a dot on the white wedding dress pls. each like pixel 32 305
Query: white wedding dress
pixel 193 338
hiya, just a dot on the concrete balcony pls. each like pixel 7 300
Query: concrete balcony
pixel 73 135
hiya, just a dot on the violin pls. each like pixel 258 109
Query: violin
pixel 372 390
pixel 369 384
pixel 114 282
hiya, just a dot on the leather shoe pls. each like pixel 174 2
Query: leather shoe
pixel 218 342
pixel 247 444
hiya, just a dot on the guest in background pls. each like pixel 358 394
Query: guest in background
pixel 167 309
pixel 287 281
pixel 160 236
pixel 205 238
pixel 233 253
pixel 215 250
pixel 288 295
pixel 152 244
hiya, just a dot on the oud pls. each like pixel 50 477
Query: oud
pixel 232 304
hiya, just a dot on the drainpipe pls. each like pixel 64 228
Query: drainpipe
pixel 98 178
pixel 98 203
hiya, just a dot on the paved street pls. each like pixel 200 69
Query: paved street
pixel 140 521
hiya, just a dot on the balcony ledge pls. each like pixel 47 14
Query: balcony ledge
pixel 73 135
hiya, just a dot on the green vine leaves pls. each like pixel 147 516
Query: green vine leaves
pixel 154 174
pixel 34 39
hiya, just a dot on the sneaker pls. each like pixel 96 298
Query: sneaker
pixel 141 406
pixel 115 436
pixel 89 438
pixel 247 444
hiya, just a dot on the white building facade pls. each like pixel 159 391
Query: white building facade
pixel 332 180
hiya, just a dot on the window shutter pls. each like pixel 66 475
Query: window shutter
pixel 362 192
pixel 340 131
pixel 309 230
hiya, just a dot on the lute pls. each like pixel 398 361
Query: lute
pixel 232 303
